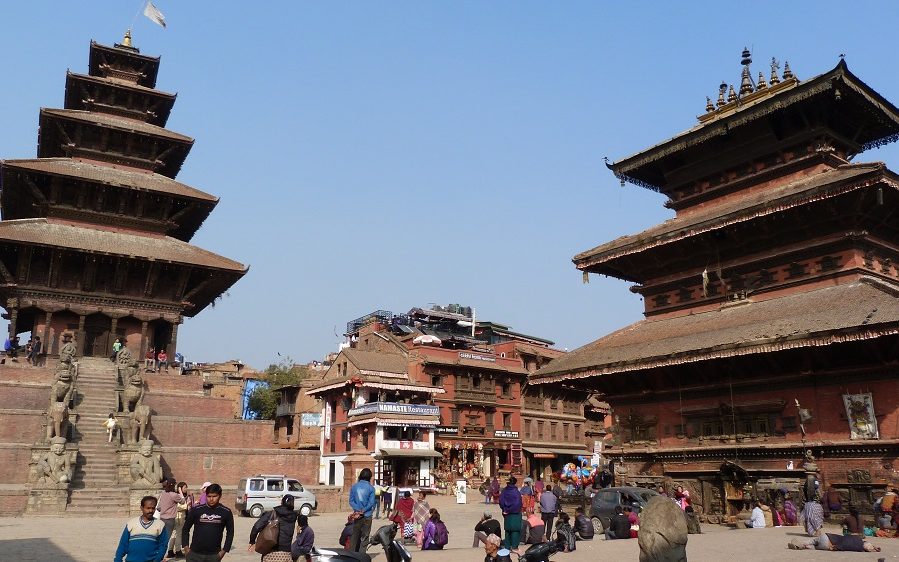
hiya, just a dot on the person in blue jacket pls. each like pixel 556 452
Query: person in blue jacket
pixel 362 500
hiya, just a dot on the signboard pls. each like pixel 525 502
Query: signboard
pixel 308 419
pixel 505 434
pixel 476 356
pixel 405 444
pixel 395 408
pixel 461 491
pixel 327 420
pixel 408 445
pixel 446 430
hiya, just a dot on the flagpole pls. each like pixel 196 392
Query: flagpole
pixel 143 4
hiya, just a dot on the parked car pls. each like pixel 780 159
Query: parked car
pixel 263 492
pixel 607 499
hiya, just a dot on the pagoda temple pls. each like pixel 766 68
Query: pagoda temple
pixel 767 358
pixel 94 240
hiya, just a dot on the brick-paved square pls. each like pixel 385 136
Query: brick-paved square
pixel 94 540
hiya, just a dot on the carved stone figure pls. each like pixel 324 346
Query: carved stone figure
pixel 62 388
pixel 140 419
pixel 67 351
pixel 124 358
pixel 663 532
pixel 145 468
pixel 810 488
pixel 134 387
pixel 55 466
pixel 57 420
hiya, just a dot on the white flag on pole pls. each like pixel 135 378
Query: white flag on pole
pixel 153 13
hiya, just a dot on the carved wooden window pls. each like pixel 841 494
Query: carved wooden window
pixel 553 430
pixel 830 262
pixel 577 431
pixel 507 421
pixel 540 426
pixel 660 300
pixel 565 428
pixel 790 423
pixel 796 270
pixel 462 382
pixel 684 295
pixel 765 277
pixel 454 416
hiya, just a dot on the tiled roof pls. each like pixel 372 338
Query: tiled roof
pixel 714 216
pixel 116 122
pixel 109 175
pixel 473 363
pixel 378 362
pixel 161 248
pixel 859 310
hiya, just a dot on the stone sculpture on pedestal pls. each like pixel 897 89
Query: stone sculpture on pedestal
pixel 55 467
pixel 146 472
pixel 60 397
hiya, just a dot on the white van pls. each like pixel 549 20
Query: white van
pixel 263 492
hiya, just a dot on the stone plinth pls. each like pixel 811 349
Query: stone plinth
pixel 353 465
pixel 137 494
pixel 123 464
pixel 47 499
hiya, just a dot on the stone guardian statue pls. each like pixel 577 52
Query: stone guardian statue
pixel 54 467
pixel 146 472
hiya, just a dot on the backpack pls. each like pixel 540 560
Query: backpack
pixel 441 535
pixel 267 539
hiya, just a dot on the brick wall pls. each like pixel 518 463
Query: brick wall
pixel 195 406
pixel 24 373
pixel 20 426
pixel 178 431
pixel 24 395
pixel 14 459
pixel 195 465
pixel 13 502
pixel 172 382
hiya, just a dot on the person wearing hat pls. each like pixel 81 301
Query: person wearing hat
pixel 287 520
pixel 202 499
pixel 486 526
pixel 494 552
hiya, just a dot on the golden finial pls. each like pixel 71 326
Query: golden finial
pixel 774 66
pixel 762 84
pixel 731 95
pixel 722 89
pixel 745 81
pixel 126 42
pixel 709 106
pixel 787 72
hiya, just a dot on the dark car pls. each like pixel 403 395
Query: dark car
pixel 607 499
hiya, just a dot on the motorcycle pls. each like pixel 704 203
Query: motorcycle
pixel 393 549
pixel 320 554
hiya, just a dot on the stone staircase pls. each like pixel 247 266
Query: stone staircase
pixel 95 492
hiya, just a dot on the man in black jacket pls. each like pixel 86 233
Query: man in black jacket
pixel 486 526
pixel 583 527
pixel 209 522
pixel 619 526
pixel 287 520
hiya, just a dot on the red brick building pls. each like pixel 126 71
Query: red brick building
pixel 775 282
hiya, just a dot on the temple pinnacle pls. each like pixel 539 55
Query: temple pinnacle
pixel 709 106
pixel 126 42
pixel 762 84
pixel 787 72
pixel 774 66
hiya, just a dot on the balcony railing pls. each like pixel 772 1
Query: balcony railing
pixel 285 409
pixel 418 410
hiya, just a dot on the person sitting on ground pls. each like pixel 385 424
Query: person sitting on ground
pixel 757 518
pixel 347 533
pixel 633 519
pixel 305 540
pixel 619 526
pixel 486 526
pixel 853 523
pixel 534 529
pixel 886 526
pixel 436 536
pixel 287 519
pixel 790 515
pixel 693 527
pixel 828 541
pixel 493 552
pixel 813 517
pixel 583 527
pixel 766 513
pixel 565 534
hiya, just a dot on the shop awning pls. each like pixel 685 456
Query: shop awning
pixel 556 451
pixel 421 453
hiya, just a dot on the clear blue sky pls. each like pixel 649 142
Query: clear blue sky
pixel 394 154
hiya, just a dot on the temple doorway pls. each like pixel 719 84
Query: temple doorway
pixel 96 336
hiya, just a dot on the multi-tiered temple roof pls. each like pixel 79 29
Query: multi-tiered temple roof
pixel 779 239
pixel 97 223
